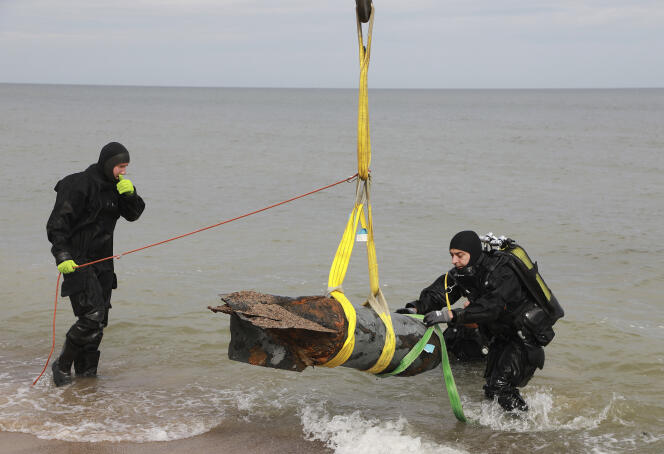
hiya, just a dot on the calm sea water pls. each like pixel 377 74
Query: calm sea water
pixel 573 175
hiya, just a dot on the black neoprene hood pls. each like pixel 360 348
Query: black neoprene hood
pixel 469 242
pixel 112 154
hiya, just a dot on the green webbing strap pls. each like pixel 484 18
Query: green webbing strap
pixel 412 354
pixel 452 392
pixel 407 360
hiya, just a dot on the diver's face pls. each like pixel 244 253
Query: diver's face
pixel 459 258
pixel 120 169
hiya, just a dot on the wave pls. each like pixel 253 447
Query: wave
pixel 161 410
pixel 88 414
pixel 352 433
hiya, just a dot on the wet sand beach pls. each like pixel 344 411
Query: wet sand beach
pixel 227 439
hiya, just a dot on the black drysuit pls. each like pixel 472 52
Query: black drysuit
pixel 498 299
pixel 80 228
pixel 466 342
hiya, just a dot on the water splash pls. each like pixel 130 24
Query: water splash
pixel 543 415
pixel 351 433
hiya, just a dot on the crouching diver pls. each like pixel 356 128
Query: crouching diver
pixel 80 228
pixel 499 302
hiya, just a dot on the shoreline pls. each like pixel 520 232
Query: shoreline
pixel 222 438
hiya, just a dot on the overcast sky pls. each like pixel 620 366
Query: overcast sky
pixel 313 43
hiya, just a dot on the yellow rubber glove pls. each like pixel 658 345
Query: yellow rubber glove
pixel 125 186
pixel 68 266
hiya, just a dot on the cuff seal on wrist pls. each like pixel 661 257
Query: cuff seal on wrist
pixel 62 257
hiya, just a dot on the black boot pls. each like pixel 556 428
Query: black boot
pixel 62 366
pixel 489 392
pixel 512 401
pixel 86 363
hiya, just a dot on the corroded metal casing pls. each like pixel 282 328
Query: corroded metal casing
pixel 293 333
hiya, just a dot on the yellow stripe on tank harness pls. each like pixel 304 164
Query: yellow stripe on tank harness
pixel 521 254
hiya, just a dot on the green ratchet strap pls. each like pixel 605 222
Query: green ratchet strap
pixel 407 360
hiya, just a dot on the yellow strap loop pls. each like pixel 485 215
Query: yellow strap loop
pixel 379 305
pixel 363 139
pixel 337 275
pixel 342 257
pixel 376 299
pixel 345 249
pixel 349 343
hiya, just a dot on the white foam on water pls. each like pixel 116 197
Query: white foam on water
pixel 611 443
pixel 93 412
pixel 256 402
pixel 114 430
pixel 353 433
pixel 96 412
pixel 542 415
pixel 92 415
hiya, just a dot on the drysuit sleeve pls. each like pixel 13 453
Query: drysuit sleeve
pixel 131 206
pixel 504 286
pixel 432 298
pixel 70 203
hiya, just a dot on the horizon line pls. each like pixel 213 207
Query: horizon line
pixel 322 88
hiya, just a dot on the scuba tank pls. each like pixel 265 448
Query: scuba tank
pixel 538 320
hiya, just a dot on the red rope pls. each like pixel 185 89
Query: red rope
pixel 345 180
pixel 55 308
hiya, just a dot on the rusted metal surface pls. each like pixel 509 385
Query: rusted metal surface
pixel 293 333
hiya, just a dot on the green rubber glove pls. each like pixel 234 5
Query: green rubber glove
pixel 125 186
pixel 68 266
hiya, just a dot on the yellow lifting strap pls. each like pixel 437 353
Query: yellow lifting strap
pixel 342 258
pixel 363 139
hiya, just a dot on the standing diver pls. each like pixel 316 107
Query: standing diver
pixel 500 302
pixel 80 228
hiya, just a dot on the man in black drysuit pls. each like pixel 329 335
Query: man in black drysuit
pixel 80 228
pixel 497 300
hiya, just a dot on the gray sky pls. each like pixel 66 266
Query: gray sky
pixel 313 43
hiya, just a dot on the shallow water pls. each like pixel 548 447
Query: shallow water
pixel 573 175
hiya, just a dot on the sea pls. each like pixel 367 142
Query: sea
pixel 574 176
